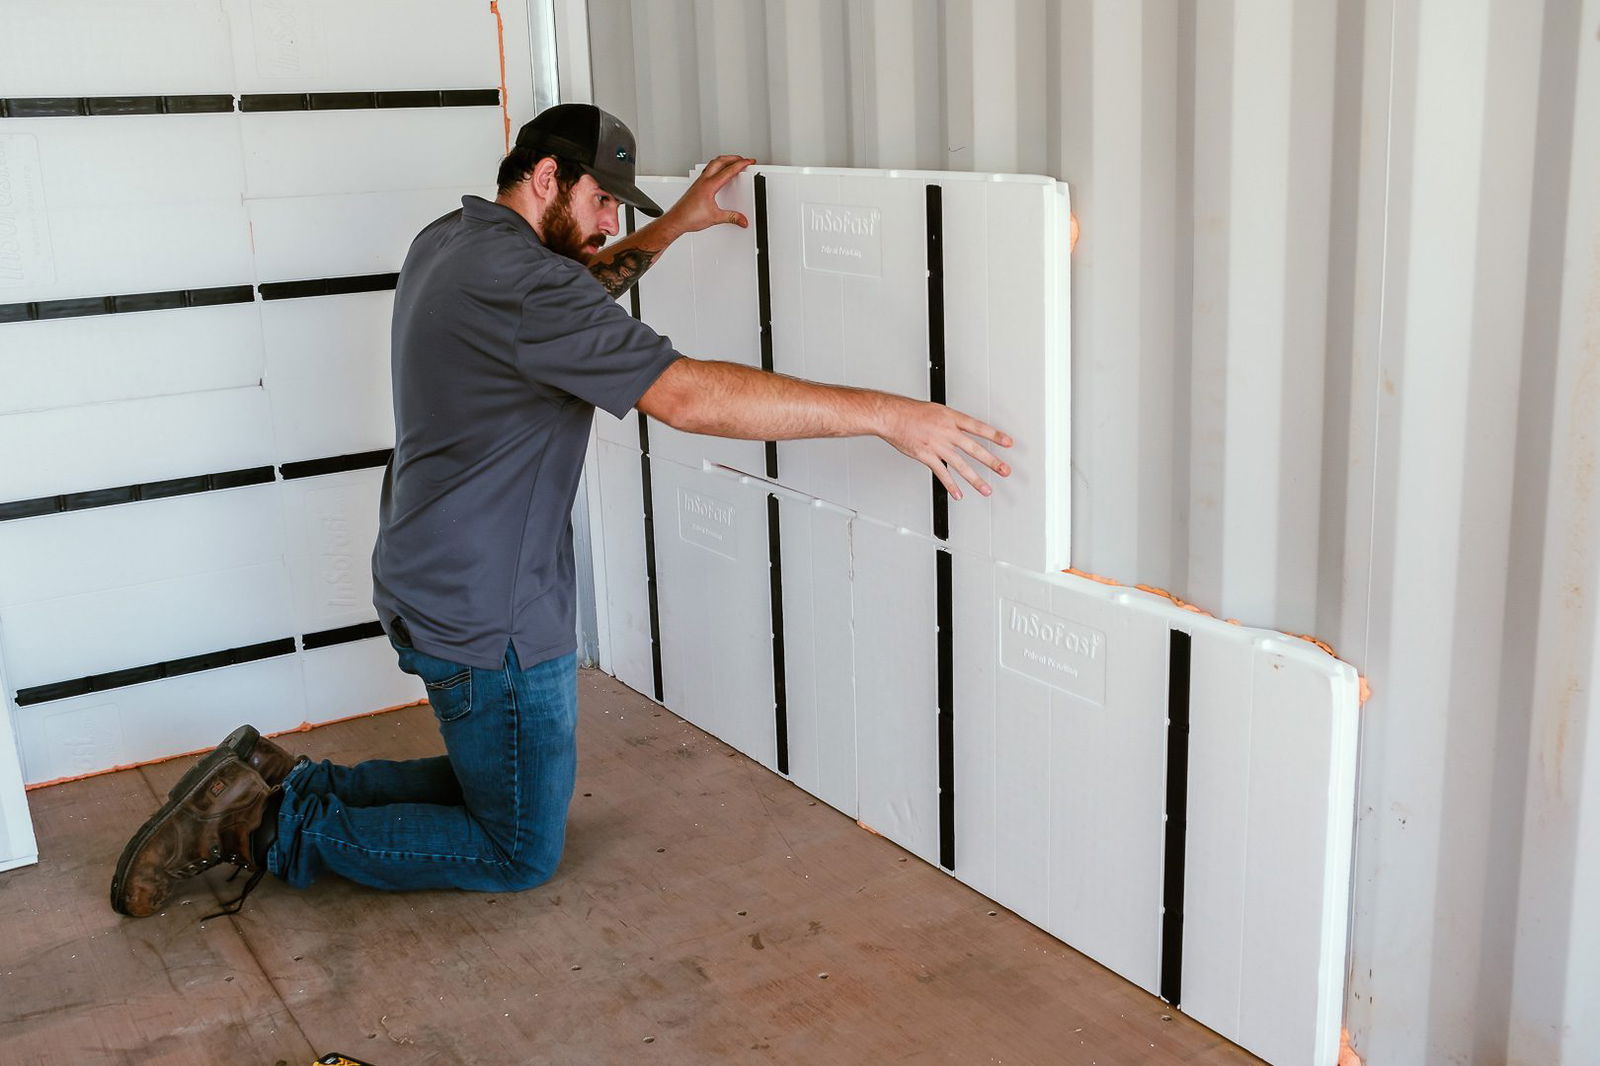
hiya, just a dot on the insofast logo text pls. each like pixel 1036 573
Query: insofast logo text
pixel 843 239
pixel 1058 652
pixel 24 235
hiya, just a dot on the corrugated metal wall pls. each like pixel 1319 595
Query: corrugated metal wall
pixel 1337 370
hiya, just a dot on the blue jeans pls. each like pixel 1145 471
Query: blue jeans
pixel 490 816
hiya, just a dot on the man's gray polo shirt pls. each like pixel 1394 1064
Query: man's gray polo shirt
pixel 502 350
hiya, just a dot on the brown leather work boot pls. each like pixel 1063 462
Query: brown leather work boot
pixel 208 820
pixel 256 752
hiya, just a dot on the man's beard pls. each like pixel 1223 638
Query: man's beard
pixel 562 234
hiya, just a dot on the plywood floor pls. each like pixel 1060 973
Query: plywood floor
pixel 707 911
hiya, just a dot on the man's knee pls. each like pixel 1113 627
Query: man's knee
pixel 521 875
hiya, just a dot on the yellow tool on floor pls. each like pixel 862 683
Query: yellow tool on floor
pixel 333 1058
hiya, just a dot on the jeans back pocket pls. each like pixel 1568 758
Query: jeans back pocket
pixel 449 684
pixel 451 696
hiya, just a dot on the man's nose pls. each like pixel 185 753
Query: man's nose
pixel 608 222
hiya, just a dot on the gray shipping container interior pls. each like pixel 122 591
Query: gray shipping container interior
pixel 1345 258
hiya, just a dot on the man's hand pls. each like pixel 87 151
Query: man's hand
pixel 698 209
pixel 619 264
pixel 943 439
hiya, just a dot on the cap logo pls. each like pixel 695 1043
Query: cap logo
pixel 623 154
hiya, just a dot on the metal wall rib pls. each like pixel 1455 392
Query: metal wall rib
pixel 1336 333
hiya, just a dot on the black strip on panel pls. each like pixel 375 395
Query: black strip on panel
pixel 30 508
pixel 150 490
pixel 469 98
pixel 44 107
pixel 154 671
pixel 649 513
pixel 295 290
pixel 343 101
pixel 764 300
pixel 196 105
pixel 232 479
pixel 408 98
pixel 941 529
pixel 82 306
pixel 77 106
pixel 327 638
pixel 936 389
pixel 633 290
pixel 780 683
pixel 362 101
pixel 651 586
pixel 1177 826
pixel 253 102
pixel 335 464
pixel 947 758
pixel 780 678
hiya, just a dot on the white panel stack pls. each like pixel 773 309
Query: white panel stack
pixel 107 205
pixel 1060 688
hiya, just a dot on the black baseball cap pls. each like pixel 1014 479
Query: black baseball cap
pixel 595 140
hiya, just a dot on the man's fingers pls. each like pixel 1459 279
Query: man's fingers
pixel 983 455
pixel 961 466
pixel 716 165
pixel 940 471
pixel 738 219
pixel 967 424
pixel 719 166
pixel 729 172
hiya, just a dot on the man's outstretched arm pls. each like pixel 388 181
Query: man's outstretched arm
pixel 618 265
pixel 729 400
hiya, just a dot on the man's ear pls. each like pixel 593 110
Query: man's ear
pixel 542 179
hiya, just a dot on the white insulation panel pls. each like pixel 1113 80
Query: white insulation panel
pixel 360 677
pixel 296 46
pixel 1060 717
pixel 715 604
pixel 331 524
pixel 343 234
pixel 320 153
pixel 105 358
pixel 820 650
pixel 61 50
pixel 92 446
pixel 327 374
pixel 848 254
pixel 116 205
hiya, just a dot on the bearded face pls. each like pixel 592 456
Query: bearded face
pixel 565 235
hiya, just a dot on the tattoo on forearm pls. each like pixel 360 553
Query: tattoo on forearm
pixel 619 272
